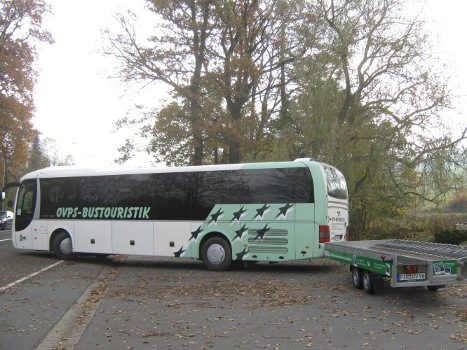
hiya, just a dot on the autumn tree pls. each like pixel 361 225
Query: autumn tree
pixel 221 61
pixel 349 82
pixel 371 102
pixel 20 29
pixel 244 37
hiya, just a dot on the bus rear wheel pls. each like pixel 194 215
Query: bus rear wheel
pixel 216 254
pixel 63 246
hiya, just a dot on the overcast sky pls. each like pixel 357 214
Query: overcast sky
pixel 77 105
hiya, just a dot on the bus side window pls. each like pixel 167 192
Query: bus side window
pixel 54 194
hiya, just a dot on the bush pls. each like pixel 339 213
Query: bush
pixel 407 227
pixel 414 227
pixel 459 203
pixel 451 236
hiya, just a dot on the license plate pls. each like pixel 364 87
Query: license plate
pixel 411 277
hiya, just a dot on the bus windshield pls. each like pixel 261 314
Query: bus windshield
pixel 337 187
pixel 25 205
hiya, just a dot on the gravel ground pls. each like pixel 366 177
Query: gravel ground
pixel 175 304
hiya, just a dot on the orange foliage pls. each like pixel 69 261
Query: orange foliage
pixel 20 29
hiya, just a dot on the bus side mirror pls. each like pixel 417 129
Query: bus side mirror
pixel 9 204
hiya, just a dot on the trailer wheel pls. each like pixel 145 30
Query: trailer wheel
pixel 434 288
pixel 368 282
pixel 357 277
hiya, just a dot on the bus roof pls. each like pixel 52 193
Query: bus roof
pixel 73 171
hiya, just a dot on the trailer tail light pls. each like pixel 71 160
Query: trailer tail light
pixel 411 269
pixel 324 234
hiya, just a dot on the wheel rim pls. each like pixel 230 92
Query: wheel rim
pixel 366 280
pixel 65 246
pixel 356 277
pixel 216 254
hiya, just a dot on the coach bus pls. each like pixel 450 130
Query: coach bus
pixel 220 214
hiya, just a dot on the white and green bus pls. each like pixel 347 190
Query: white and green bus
pixel 273 212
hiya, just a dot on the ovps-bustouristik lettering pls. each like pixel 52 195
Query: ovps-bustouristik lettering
pixel 104 212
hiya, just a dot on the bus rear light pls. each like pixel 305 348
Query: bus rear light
pixel 324 234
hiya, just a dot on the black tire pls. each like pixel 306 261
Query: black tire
pixel 216 254
pixel 357 277
pixel 368 282
pixel 62 246
pixel 434 288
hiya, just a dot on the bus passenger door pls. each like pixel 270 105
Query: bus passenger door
pixel 24 215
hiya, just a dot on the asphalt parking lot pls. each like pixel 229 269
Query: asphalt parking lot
pixel 125 302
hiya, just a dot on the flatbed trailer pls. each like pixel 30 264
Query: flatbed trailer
pixel 405 263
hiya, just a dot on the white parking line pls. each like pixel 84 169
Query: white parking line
pixel 31 275
pixel 4 240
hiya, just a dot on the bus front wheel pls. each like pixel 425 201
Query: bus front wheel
pixel 216 254
pixel 62 246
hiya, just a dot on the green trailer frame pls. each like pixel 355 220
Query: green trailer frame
pixel 405 263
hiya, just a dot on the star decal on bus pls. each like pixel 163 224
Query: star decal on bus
pixel 261 212
pixel 239 233
pixel 242 254
pixel 239 214
pixel 284 211
pixel 195 234
pixel 215 217
pixel 179 253
pixel 262 232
